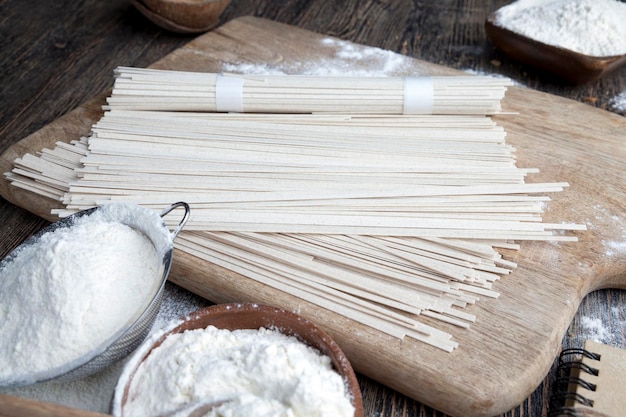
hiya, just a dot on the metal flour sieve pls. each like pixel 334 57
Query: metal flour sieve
pixel 126 340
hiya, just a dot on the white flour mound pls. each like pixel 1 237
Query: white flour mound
pixel 256 372
pixel 70 292
pixel 590 27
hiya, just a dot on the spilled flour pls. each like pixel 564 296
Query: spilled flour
pixel 372 62
pixel 594 329
pixel 614 245
pixel 618 103
pixel 610 332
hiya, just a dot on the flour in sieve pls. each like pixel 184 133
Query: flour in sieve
pixel 590 27
pixel 258 372
pixel 71 291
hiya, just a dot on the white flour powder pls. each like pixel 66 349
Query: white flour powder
pixel 619 102
pixel 94 392
pixel 71 291
pixel 344 59
pixel 258 372
pixel 590 27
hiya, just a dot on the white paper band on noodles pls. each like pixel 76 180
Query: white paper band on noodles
pixel 418 95
pixel 229 94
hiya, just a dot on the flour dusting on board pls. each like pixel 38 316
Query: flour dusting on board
pixel 472 71
pixel 615 245
pixel 348 60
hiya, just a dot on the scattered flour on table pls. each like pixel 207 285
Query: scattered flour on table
pixel 346 59
pixel 594 329
pixel 590 27
pixel 69 292
pixel 608 332
pixel 256 372
pixel 619 102
pixel 176 304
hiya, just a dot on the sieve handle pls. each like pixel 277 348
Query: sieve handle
pixel 182 221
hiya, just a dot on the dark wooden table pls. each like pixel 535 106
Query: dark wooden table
pixel 54 55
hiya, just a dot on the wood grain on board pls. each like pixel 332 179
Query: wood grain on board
pixel 508 351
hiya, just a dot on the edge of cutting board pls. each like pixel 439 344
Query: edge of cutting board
pixel 504 356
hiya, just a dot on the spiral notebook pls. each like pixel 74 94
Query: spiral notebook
pixel 590 382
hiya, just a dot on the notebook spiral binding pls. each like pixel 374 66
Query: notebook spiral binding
pixel 562 386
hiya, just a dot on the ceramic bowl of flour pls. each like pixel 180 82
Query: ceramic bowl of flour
pixel 83 293
pixel 219 354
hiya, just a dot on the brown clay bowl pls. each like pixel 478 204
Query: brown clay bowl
pixel 247 316
pixel 566 65
pixel 182 16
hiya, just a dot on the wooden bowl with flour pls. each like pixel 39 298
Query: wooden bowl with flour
pixel 225 322
pixel 577 42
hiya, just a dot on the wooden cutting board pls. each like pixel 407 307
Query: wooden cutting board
pixel 504 356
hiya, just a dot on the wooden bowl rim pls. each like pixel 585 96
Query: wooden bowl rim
pixel 203 22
